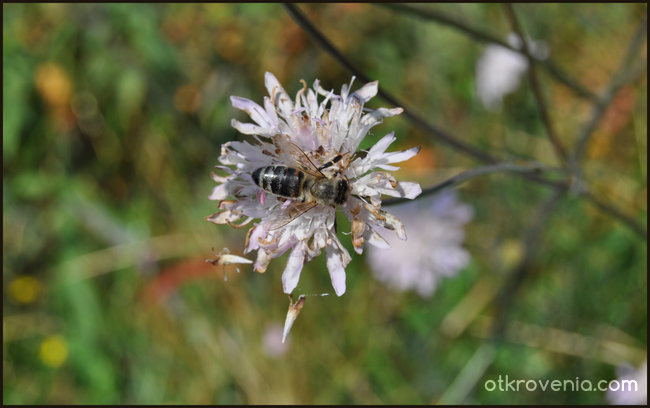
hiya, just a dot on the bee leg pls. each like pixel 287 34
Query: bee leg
pixel 335 228
pixel 331 162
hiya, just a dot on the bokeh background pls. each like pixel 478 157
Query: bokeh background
pixel 113 118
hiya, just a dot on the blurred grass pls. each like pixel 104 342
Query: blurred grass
pixel 113 117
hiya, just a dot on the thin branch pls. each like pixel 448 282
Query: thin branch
pixel 446 20
pixel 442 18
pixel 616 213
pixel 435 131
pixel 560 151
pixel 563 78
pixel 534 173
pixel 600 109
pixel 320 39
pixel 625 74
pixel 470 174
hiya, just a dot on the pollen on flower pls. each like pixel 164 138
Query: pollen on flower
pixel 300 165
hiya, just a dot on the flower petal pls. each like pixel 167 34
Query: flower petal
pixel 219 192
pixel 253 238
pixel 367 92
pixel 395 224
pixel 279 96
pixel 223 217
pixel 377 183
pixel 371 119
pixel 375 239
pixel 270 110
pixel 262 262
pixel 233 259
pixel 250 129
pixel 408 189
pixel 400 156
pixel 336 269
pixel 377 156
pixel 291 273
pixel 292 314
pixel 255 111
pixel 380 147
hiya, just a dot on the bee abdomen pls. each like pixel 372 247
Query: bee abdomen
pixel 256 176
pixel 280 180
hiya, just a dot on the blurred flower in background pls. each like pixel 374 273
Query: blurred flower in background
pixel 433 249
pixel 53 351
pixel 54 85
pixel 24 289
pixel 272 344
pixel 499 69
pixel 623 396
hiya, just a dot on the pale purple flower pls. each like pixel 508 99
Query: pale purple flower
pixel 623 394
pixel 273 344
pixel 499 69
pixel 434 248
pixel 335 125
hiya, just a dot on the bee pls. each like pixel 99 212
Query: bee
pixel 304 183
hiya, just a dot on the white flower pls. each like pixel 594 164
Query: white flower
pixel 499 69
pixel 637 380
pixel 335 125
pixel 434 249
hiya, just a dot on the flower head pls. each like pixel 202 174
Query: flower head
pixel 434 249
pixel 272 341
pixel 321 140
pixel 632 386
pixel 499 69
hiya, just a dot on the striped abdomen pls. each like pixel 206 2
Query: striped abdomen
pixel 280 180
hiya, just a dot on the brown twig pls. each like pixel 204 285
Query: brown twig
pixel 560 151
pixel 635 226
pixel 434 130
pixel 623 75
pixel 437 133
pixel 482 36
pixel 472 173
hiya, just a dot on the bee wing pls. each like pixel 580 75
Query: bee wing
pixel 291 213
pixel 297 156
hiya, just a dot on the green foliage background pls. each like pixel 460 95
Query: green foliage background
pixel 113 118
